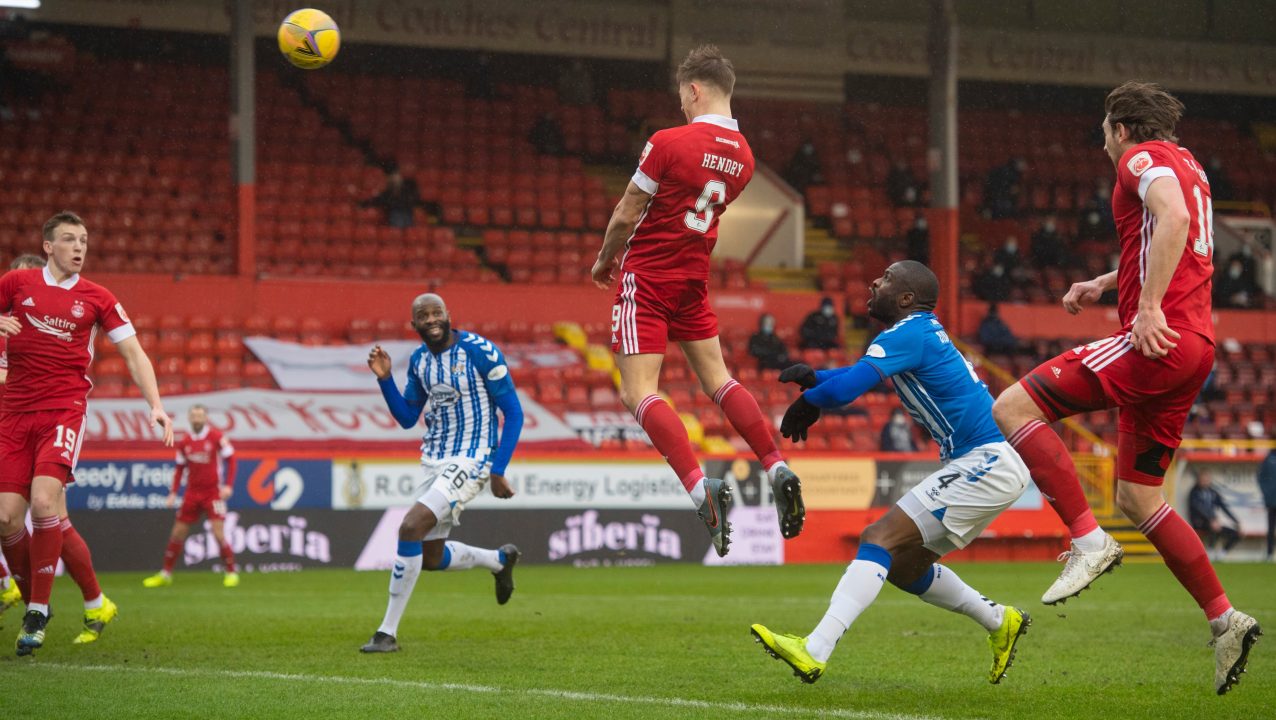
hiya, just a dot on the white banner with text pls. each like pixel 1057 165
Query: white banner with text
pixel 293 416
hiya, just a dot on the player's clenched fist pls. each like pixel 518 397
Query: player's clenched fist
pixel 1080 295
pixel 379 362
pixel 603 273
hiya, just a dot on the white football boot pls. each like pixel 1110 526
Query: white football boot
pixel 1082 569
pixel 1231 650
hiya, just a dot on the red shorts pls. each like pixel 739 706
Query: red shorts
pixel 195 505
pixel 650 311
pixel 1153 397
pixel 39 443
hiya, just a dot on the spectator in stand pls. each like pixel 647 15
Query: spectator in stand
pixel 804 168
pixel 1267 484
pixel 398 200
pixel 918 239
pixel 1249 268
pixel 897 435
pixel 995 335
pixel 1048 248
pixel 819 330
pixel 1090 228
pixel 1233 289
pixel 1008 254
pixel 1096 213
pixel 902 187
pixel 1204 504
pixel 1002 189
pixel 766 347
pixel 1220 185
pixel 547 135
pixel 576 83
pixel 992 285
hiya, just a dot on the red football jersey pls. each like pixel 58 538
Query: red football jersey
pixel 1187 299
pixel 202 454
pixel 49 358
pixel 692 172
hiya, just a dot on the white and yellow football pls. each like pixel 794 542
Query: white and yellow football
pixel 309 38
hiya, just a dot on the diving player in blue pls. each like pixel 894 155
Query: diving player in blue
pixel 982 475
pixel 463 380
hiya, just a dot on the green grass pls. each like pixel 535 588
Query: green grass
pixel 669 641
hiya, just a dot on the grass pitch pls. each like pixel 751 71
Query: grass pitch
pixel 655 642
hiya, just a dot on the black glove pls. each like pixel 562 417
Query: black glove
pixel 802 374
pixel 800 416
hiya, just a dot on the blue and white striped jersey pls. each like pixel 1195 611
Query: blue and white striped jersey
pixel 459 388
pixel 938 387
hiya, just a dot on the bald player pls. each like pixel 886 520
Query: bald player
pixel 460 380
pixel 981 477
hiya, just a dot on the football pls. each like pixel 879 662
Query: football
pixel 309 38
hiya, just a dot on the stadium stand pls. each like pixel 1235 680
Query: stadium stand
pixel 161 196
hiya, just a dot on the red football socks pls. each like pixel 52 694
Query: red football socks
pixel 1185 556
pixel 228 557
pixel 1052 470
pixel 78 561
pixel 17 551
pixel 669 435
pixel 170 554
pixel 746 417
pixel 46 547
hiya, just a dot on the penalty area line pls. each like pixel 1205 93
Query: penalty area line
pixel 550 693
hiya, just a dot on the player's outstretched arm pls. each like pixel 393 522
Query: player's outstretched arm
pixel 619 229
pixel 843 387
pixel 139 366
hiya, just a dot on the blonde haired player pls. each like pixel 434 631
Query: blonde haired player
pixel 657 245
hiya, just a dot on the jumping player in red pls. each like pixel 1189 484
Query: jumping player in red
pixel 199 456
pixel 1151 369
pixel 667 224
pixel 55 316
pixel 98 608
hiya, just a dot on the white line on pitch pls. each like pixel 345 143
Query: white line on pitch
pixel 571 695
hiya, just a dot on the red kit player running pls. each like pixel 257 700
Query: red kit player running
pixel 98 608
pixel 1151 369
pixel 55 317
pixel 199 457
pixel 667 224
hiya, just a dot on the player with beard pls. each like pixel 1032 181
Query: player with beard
pixel 982 474
pixel 1152 369
pixel 460 380
pixel 206 459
